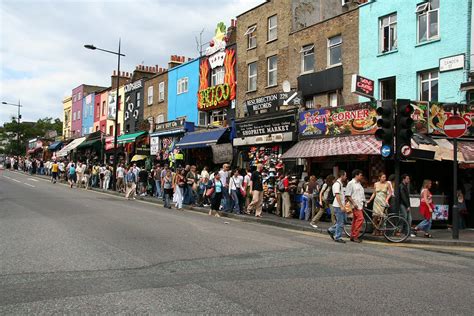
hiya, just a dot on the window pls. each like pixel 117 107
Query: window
pixel 388 89
pixel 203 118
pixel 119 102
pixel 429 86
pixel 74 98
pixel 183 85
pixel 78 115
pixel 73 116
pixel 79 97
pixel 272 71
pixel 103 108
pixel 252 77
pixel 161 91
pixel 111 130
pixel 97 128
pixel 307 58
pixel 97 110
pixel 272 28
pixel 118 129
pixel 217 76
pixel 217 117
pixel 332 99
pixel 388 33
pixel 150 95
pixel 309 104
pixel 251 36
pixel 335 50
pixel 139 99
pixel 160 118
pixel 427 20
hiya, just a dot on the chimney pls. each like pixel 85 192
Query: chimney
pixel 175 60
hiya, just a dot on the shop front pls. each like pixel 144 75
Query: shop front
pixel 264 139
pixel 54 148
pixel 129 144
pixel 67 152
pixel 91 149
pixel 35 148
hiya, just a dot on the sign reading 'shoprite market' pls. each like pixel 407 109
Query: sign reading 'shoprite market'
pixel 356 119
pixel 283 124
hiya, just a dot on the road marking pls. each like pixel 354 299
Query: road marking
pixel 31 179
pixel 30 185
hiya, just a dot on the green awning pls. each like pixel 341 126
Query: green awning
pixel 129 138
pixel 90 143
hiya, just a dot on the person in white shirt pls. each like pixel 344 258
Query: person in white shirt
pixel 120 178
pixel 356 197
pixel 224 173
pixel 80 173
pixel 235 185
pixel 335 231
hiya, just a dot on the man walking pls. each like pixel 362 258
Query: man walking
pixel 356 197
pixel 224 173
pixel 131 184
pixel 405 207
pixel 256 187
pixel 120 178
pixel 335 231
pixel 54 171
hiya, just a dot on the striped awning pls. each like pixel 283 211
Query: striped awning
pixel 334 146
pixel 72 145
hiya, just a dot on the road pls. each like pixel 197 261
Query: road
pixel 66 250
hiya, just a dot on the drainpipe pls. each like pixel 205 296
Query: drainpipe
pixel 470 43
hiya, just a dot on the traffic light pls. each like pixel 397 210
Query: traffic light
pixel 385 131
pixel 404 126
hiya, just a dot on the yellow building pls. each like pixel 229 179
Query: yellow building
pixel 110 122
pixel 67 108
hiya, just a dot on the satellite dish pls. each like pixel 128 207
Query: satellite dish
pixel 286 86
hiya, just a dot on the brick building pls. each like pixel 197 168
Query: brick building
pixel 155 97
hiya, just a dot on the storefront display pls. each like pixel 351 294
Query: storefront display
pixel 166 136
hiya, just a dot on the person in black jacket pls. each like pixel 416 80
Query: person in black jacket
pixel 405 207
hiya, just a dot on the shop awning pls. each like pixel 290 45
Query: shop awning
pixel 72 145
pixel 129 138
pixel 168 132
pixel 201 139
pixel 55 146
pixel 334 146
pixel 90 143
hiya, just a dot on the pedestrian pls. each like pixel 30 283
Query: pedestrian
pixel 62 168
pixel 80 173
pixel 323 200
pixel 164 171
pixel 462 208
pixel 143 181
pixel 72 175
pixel 335 231
pixel 256 187
pixel 87 176
pixel 54 171
pixel 131 184
pixel 248 195
pixel 120 179
pixel 285 196
pixel 179 185
pixel 224 177
pixel 201 192
pixel 101 176
pixel 157 180
pixel 191 185
pixel 107 176
pixel 235 187
pixel 305 207
pixel 426 209
pixel 168 188
pixel 95 175
pixel 205 172
pixel 405 204
pixel 381 197
pixel 356 198
pixel 216 198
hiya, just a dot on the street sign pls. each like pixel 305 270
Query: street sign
pixel 455 126
pixel 405 151
pixel 385 151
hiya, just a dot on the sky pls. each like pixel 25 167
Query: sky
pixel 42 54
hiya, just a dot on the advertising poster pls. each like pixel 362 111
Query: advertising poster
pixel 420 117
pixel 440 213
pixel 112 106
pixel 439 113
pixel 359 119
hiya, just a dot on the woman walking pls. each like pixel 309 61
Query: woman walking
pixel 381 197
pixel 72 175
pixel 107 175
pixel 217 195
pixel 235 185
pixel 323 200
pixel 426 209
pixel 168 188
pixel 179 184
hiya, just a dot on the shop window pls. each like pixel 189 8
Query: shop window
pixel 307 58
pixel 333 99
pixel 251 37
pixel 217 76
pixel 203 118
pixel 252 77
pixel 388 33
pixel 428 20
pixel 429 85
pixel 150 95
pixel 272 28
pixel 161 91
pixel 272 68
pixel 183 85
pixel 388 89
pixel 335 50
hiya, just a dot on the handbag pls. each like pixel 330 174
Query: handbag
pixel 210 192
pixel 242 192
pixel 348 207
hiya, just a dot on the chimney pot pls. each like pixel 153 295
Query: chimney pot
pixel 114 73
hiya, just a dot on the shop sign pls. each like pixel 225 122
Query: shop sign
pixel 170 124
pixel 109 142
pixel 112 106
pixel 451 63
pixel 154 145
pixel 439 113
pixel 362 86
pixel 272 102
pixel 222 153
pixel 133 86
pixel 218 42
pixel 277 125
pixel 357 119
pixel 212 97
pixel 143 149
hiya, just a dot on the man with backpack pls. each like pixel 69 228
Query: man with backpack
pixel 325 198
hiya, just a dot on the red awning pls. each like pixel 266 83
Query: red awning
pixel 467 149
pixel 335 146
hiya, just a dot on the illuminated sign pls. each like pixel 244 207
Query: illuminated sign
pixel 362 86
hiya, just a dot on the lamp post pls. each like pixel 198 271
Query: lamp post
pixel 18 121
pixel 116 104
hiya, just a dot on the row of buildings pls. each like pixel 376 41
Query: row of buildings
pixel 285 80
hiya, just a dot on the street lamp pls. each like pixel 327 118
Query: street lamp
pixel 92 47
pixel 18 121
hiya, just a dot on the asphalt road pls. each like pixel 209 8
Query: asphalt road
pixel 73 251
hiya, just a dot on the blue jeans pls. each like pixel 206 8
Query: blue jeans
pixel 425 225
pixel 305 210
pixel 235 205
pixel 336 229
pixel 226 201
pixel 158 188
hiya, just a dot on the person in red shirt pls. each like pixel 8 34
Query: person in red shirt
pixel 286 197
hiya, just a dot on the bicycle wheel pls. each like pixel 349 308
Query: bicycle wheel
pixel 348 227
pixel 396 229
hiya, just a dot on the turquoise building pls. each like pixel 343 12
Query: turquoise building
pixel 416 49
pixel 183 85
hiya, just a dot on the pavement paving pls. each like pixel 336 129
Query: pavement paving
pixel 69 251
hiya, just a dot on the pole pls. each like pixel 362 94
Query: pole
pixel 455 189
pixel 397 165
pixel 114 175
pixel 19 128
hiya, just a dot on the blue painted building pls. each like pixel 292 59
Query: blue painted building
pixel 183 85
pixel 88 114
pixel 416 49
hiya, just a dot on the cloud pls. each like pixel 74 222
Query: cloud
pixel 42 56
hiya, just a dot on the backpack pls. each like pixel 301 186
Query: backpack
pixel 281 186
pixel 331 197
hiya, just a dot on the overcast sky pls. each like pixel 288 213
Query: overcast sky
pixel 42 56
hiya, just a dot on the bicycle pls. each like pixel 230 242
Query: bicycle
pixel 394 227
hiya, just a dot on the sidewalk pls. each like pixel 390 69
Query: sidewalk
pixel 441 237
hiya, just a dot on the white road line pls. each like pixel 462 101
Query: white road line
pixel 30 185
pixel 15 180
pixel 31 179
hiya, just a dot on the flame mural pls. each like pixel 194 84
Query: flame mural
pixel 203 80
pixel 229 76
